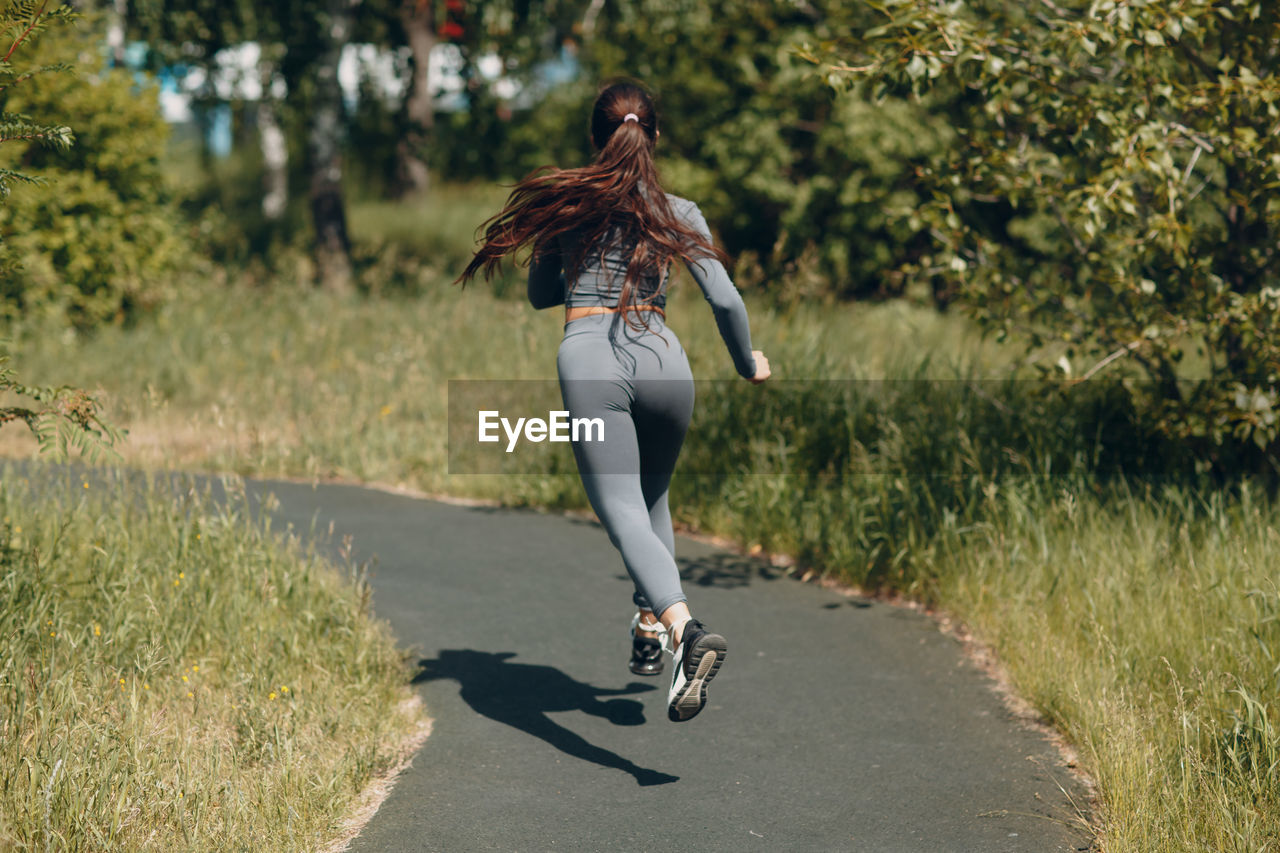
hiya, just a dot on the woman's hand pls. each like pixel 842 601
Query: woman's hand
pixel 762 368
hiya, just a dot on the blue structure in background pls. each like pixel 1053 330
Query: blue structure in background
pixel 562 69
pixel 214 119
pixel 217 129
pixel 135 55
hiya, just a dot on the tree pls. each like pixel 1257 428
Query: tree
pixel 324 137
pixel 22 22
pixel 1112 187
pixel 418 22
pixel 102 244
pixel 300 42
pixel 65 416
pixel 804 182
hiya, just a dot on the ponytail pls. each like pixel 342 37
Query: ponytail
pixel 617 201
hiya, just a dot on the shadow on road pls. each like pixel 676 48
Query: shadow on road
pixel 726 570
pixel 521 695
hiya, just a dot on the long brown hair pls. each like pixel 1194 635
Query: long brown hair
pixel 616 201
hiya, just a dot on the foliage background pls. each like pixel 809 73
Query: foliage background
pixel 1110 192
pixel 100 241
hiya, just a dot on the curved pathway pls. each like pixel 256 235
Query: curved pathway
pixel 836 724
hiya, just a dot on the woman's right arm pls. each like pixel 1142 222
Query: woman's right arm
pixel 546 277
pixel 726 303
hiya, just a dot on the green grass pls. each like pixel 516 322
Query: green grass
pixel 1146 627
pixel 286 381
pixel 438 228
pixel 175 677
pixel 1142 620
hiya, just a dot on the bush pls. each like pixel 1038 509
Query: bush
pixel 99 243
pixel 1111 195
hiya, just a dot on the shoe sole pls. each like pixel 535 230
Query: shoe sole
pixel 706 658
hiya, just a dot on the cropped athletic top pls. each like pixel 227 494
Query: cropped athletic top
pixel 600 282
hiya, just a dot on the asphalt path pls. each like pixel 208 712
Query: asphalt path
pixel 835 723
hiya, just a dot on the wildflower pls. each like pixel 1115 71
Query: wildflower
pixel 184 679
pixel 284 689
pixel 272 696
pixel 146 686
pixel 190 695
pixel 182 574
pixel 195 669
pixel 197 536
pixel 384 411
pixel 86 485
pixel 97 630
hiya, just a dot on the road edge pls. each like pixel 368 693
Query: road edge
pixel 375 792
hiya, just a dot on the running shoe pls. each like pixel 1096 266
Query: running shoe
pixel 697 660
pixel 646 652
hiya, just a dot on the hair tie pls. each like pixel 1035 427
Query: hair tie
pixel 631 117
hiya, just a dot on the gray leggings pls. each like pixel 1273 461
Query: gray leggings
pixel 639 385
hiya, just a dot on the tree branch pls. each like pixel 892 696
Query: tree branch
pixel 1120 353
pixel 17 413
pixel 854 69
pixel 1066 226
pixel 35 19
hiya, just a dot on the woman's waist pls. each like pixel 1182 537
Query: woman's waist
pixel 577 312
pixel 590 291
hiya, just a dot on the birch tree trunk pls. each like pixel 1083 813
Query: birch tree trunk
pixel 328 212
pixel 275 149
pixel 116 20
pixel 418 19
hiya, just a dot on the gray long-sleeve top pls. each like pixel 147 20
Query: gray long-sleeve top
pixel 601 279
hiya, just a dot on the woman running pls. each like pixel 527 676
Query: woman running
pixel 603 238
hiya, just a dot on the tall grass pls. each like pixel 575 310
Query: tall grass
pixel 287 381
pixel 173 677
pixel 438 229
pixel 1146 625
pixel 894 448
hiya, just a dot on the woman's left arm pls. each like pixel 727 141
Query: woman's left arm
pixel 546 277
